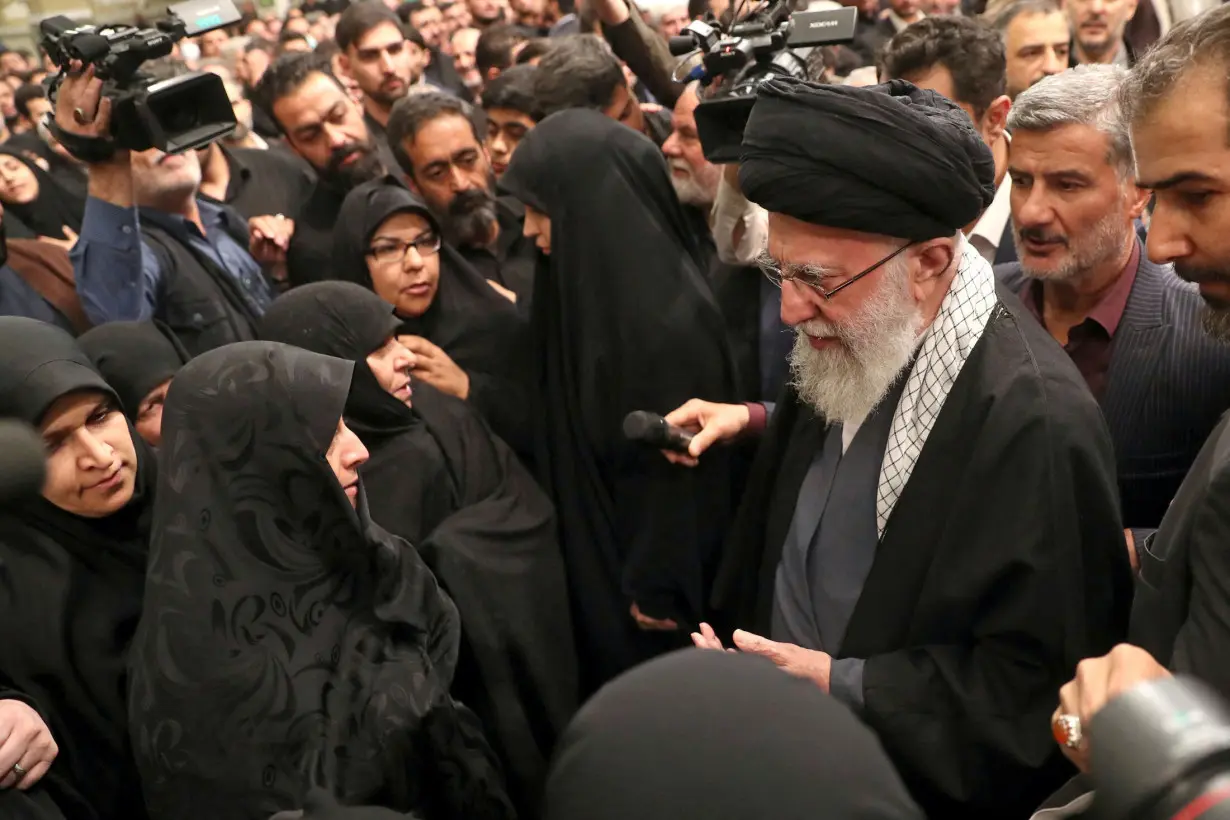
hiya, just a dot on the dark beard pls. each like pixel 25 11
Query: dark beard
pixel 366 168
pixel 469 217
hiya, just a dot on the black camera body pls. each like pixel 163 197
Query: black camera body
pixel 753 50
pixel 172 115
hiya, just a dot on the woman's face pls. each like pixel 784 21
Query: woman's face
pixel 391 365
pixel 18 185
pixel 149 414
pixel 344 455
pixel 538 228
pixel 91 460
pixel 403 258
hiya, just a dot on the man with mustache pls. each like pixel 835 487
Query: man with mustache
pixel 377 53
pixel 326 127
pixel 1131 327
pixel 1037 42
pixel 438 145
pixel 931 531
pixel 1097 31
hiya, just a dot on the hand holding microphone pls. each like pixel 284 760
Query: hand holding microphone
pixel 694 428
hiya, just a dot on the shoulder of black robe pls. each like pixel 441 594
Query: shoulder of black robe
pixel 478 328
pixel 491 542
pixel 71 590
pixel 52 209
pixel 624 320
pixel 134 358
pixel 288 642
pixel 722 737
pixel 989 584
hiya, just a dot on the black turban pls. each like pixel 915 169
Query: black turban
pixel 889 159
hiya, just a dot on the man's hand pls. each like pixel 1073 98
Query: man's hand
pixel 66 244
pixel 1097 682
pixel 269 237
pixel 709 423
pixel 82 109
pixel 802 663
pixel 26 741
pixel 706 638
pixel 434 366
pixel 1131 547
pixel 652 624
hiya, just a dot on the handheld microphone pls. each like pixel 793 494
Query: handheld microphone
pixel 23 464
pixel 653 430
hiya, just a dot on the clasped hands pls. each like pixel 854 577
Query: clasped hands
pixel 809 664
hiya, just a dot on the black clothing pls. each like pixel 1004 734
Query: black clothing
pixel 201 303
pixel 818 153
pixel 443 74
pixel 71 590
pixel 480 330
pixel 309 256
pixel 438 478
pixel 623 320
pixel 134 358
pixel 264 182
pixel 514 258
pixel 720 737
pixel 380 136
pixel 870 36
pixel 967 635
pixel 52 209
pixel 288 641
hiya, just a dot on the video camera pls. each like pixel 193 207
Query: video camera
pixel 754 49
pixel 172 115
pixel 1162 751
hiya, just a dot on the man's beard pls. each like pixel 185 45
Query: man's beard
pixel 1216 314
pixel 1105 239
pixel 469 217
pixel 364 169
pixel 689 189
pixel 845 382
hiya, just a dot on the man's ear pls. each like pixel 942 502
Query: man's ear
pixel 995 120
pixel 1137 201
pixel 343 62
pixel 935 258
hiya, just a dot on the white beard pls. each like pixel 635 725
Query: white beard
pixel 844 383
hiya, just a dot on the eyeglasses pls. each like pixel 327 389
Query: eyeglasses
pixel 815 281
pixel 393 251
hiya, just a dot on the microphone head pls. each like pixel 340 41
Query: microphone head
pixel 638 424
pixel 23 462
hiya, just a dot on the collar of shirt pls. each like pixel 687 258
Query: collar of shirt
pixel 1108 311
pixel 212 216
pixel 989 229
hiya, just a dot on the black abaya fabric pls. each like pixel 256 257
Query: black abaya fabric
pixel 288 641
pixel 478 328
pixel 53 209
pixel 623 320
pixel 720 736
pixel 438 478
pixel 71 590
pixel 134 358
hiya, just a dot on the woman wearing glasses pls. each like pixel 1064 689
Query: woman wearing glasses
pixel 466 337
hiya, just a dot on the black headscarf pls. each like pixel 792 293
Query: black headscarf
pixel 288 642
pixel 134 357
pixel 721 736
pixel 53 208
pixel 72 591
pixel 888 159
pixel 623 320
pixel 477 327
pixel 440 479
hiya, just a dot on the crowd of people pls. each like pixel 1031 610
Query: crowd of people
pixel 340 519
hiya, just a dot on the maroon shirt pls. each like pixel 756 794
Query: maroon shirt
pixel 1090 343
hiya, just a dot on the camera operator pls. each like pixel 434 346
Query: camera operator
pixel 182 260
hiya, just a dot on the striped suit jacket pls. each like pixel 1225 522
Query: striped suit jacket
pixel 1167 386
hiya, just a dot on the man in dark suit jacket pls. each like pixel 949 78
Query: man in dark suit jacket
pixel 1132 327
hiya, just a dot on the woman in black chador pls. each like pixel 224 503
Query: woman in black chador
pixel 623 320
pixel 72 567
pixel 439 478
pixel 289 643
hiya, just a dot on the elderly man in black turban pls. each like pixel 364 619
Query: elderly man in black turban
pixel 931 530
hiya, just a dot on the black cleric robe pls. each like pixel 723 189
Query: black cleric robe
pixel 1002 565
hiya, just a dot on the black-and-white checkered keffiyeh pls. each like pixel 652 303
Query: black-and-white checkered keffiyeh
pixel 941 355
